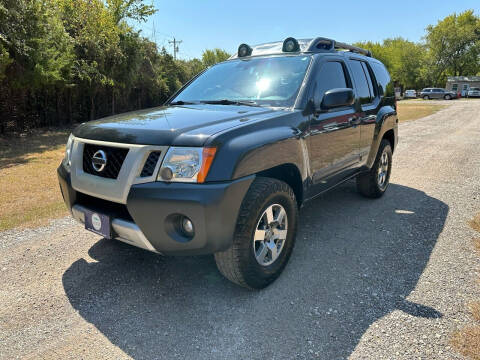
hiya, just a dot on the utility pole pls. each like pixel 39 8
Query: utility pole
pixel 175 43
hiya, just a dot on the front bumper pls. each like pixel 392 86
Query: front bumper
pixel 151 209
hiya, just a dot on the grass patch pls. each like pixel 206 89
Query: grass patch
pixel 475 223
pixel 412 110
pixel 30 193
pixel 467 341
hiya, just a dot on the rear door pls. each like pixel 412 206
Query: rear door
pixel 367 103
pixel 437 93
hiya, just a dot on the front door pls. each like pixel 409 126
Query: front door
pixel 334 135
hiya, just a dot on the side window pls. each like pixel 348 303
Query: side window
pixel 361 83
pixel 373 89
pixel 330 76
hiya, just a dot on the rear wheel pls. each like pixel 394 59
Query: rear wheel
pixel 374 183
pixel 264 235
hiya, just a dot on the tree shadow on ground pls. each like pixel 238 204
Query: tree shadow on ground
pixel 355 261
pixel 17 150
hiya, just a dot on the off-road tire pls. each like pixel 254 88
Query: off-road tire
pixel 238 263
pixel 367 183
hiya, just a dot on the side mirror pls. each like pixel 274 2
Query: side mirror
pixel 337 98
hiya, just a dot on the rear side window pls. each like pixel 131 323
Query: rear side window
pixel 330 76
pixel 385 85
pixel 373 89
pixel 361 82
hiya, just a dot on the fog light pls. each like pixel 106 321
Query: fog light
pixel 187 226
pixel 166 173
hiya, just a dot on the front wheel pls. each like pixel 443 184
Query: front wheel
pixel 264 235
pixel 448 97
pixel 426 97
pixel 374 183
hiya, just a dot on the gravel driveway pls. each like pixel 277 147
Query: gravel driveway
pixel 388 278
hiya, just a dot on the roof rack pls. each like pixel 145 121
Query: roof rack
pixel 321 44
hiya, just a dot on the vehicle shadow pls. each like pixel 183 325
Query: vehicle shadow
pixel 355 261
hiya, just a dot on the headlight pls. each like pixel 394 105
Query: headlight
pixel 67 160
pixel 186 164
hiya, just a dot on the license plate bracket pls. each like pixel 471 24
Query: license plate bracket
pixel 98 223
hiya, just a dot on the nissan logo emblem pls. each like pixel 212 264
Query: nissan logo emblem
pixel 99 160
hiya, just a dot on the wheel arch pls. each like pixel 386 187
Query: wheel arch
pixel 386 127
pixel 290 174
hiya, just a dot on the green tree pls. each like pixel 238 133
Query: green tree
pixel 454 46
pixel 211 57
pixel 130 9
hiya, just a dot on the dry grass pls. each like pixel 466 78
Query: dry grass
pixel 412 109
pixel 475 223
pixel 467 341
pixel 30 195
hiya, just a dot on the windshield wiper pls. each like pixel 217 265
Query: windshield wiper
pixel 181 102
pixel 230 102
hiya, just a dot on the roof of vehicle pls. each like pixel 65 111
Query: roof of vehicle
pixel 306 46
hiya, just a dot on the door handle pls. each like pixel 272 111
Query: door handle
pixel 354 120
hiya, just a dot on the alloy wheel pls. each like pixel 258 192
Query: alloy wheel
pixel 270 234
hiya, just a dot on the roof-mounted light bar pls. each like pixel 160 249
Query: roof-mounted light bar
pixel 292 45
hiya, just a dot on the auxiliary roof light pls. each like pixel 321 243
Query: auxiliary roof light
pixel 290 45
pixel 244 50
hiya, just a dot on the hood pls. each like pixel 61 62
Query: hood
pixel 188 125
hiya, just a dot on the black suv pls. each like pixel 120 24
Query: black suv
pixel 225 165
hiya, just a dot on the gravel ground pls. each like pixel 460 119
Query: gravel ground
pixel 368 279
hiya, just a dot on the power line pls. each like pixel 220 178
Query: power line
pixel 175 43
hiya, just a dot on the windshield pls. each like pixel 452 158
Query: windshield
pixel 273 81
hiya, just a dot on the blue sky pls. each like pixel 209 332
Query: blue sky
pixel 203 24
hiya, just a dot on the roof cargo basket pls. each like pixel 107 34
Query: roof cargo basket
pixel 321 44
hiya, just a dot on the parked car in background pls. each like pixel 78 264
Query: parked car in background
pixel 410 94
pixel 474 92
pixel 437 93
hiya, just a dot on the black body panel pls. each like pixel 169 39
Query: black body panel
pixel 188 125
pixel 213 208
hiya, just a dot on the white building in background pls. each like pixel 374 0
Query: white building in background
pixel 462 83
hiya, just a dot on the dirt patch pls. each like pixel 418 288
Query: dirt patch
pixel 467 341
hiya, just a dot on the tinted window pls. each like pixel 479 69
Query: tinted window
pixel 330 76
pixel 363 91
pixel 372 88
pixel 383 79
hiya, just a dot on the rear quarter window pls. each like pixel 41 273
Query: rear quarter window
pixel 385 84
